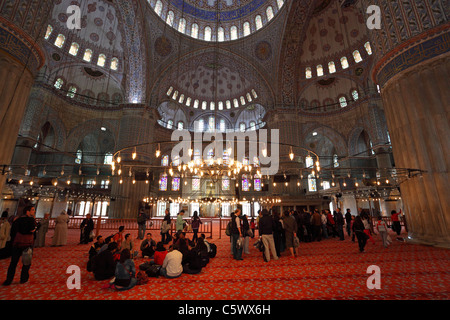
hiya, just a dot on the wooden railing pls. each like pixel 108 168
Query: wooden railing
pixel 154 224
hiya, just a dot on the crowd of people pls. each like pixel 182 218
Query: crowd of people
pixel 279 233
pixel 113 257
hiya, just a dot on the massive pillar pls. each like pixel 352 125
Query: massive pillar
pixel 136 129
pixel 21 25
pixel 413 48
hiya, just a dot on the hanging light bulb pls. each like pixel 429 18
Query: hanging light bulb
pixel 119 158
pixel 158 151
pixel 20 181
pixel 134 154
pixel 120 181
pixel 291 154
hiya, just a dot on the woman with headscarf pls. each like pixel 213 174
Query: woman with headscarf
pixel 60 235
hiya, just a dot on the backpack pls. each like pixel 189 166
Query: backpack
pixel 212 250
pixel 228 229
pixel 153 271
pixel 141 277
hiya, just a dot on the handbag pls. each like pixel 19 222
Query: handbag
pixel 27 254
pixel 296 242
pixel 23 240
pixel 240 243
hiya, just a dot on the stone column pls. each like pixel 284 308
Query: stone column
pixel 136 128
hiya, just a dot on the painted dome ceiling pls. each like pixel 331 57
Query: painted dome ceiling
pixel 217 20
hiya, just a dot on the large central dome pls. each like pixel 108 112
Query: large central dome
pixel 217 20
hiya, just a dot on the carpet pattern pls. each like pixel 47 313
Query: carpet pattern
pixel 328 270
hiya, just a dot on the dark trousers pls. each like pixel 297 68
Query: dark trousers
pixel 15 257
pixel 317 233
pixel 362 240
pixel 195 236
pixel 237 253
pixel 397 227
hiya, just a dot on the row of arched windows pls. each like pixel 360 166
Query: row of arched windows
pixel 210 125
pixel 88 53
pixel 315 106
pixel 211 105
pixel 320 71
pixel 207 32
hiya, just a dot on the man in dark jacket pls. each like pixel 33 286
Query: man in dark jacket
pixel 316 222
pixel 22 238
pixel 104 265
pixel 236 233
pixel 86 226
pixel 348 221
pixel 266 226
pixel 339 219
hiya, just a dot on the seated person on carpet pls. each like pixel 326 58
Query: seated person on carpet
pixel 172 267
pixel 183 244
pixel 103 264
pixel 118 237
pixel 148 246
pixel 192 260
pixel 105 244
pixel 93 251
pixel 212 248
pixel 160 254
pixel 125 273
pixel 202 251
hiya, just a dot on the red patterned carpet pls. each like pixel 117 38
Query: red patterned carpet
pixel 327 270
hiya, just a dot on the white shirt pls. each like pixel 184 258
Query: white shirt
pixel 172 263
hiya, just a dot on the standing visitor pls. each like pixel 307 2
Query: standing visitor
pixel 348 221
pixel 180 224
pixel 236 233
pixel 383 231
pixel 323 218
pixel 358 229
pixel 290 232
pixel 41 231
pixel 87 226
pixel 316 224
pixel 396 226
pixel 142 223
pixel 195 223
pixel 5 236
pixel 245 234
pixel 266 226
pixel 22 237
pixel 60 235
pixel 165 228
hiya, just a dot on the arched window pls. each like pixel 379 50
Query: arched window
pixel 170 18
pixel 176 184
pixel 357 56
pixel 180 125
pixel 343 102
pixel 114 63
pixel 212 105
pixel 74 49
pixel 208 34
pixel 101 60
pixel 158 7
pixel 222 125
pixel 200 125
pixel 236 103
pixel 181 100
pixel 245 186
pixel 163 182
pixel 72 91
pixel 355 95
pixel 254 94
pixel 257 182
pixel 331 67
pixel 252 125
pixel 220 34
pixel 368 48
pixel 242 100
pixel 258 22
pixel 269 13
pixel 87 55
pixel 211 123
pixel 108 158
pixel 280 3
pixel 188 102
pixel 169 92
pixel 249 97
pixel 319 70
pixel 225 183
pixel 194 31
pixel 79 156
pixel 59 83
pixel 228 104
pixel 312 186
pixel 308 73
pixel 344 63
pixel 175 95
pixel 182 25
pixel 242 127
pixel 309 162
pixel 233 33
pixel 247 30
pixel 335 161
pixel 196 102
pixel 204 105
pixel 169 124
pixel 48 32
pixel 220 105
pixel 165 161
pixel 60 39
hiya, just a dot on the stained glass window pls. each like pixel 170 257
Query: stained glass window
pixel 308 73
pixel 344 63
pixel 226 156
pixel 343 102
pixel 257 183
pixel 163 183
pixel 228 104
pixel 258 22
pixel 355 95
pixel 158 7
pixel 59 83
pixel 194 31
pixel 220 34
pixel 207 35
pixel 357 56
pixel 247 30
pixel 256 161
pixel 254 94
pixel 114 63
pixel 245 183
pixel 87 55
pixel 331 67
pixel 269 13
pixel 212 123
pixel 309 161
pixel 176 184
pixel 249 97
pixel 101 60
pixel 319 70
pixel 222 125
pixel 236 103
pixel 195 183
pixel 165 161
pixel 233 33
pixel 312 187
pixel 182 25
pixel 368 48
pixel 225 183
pixel 170 18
